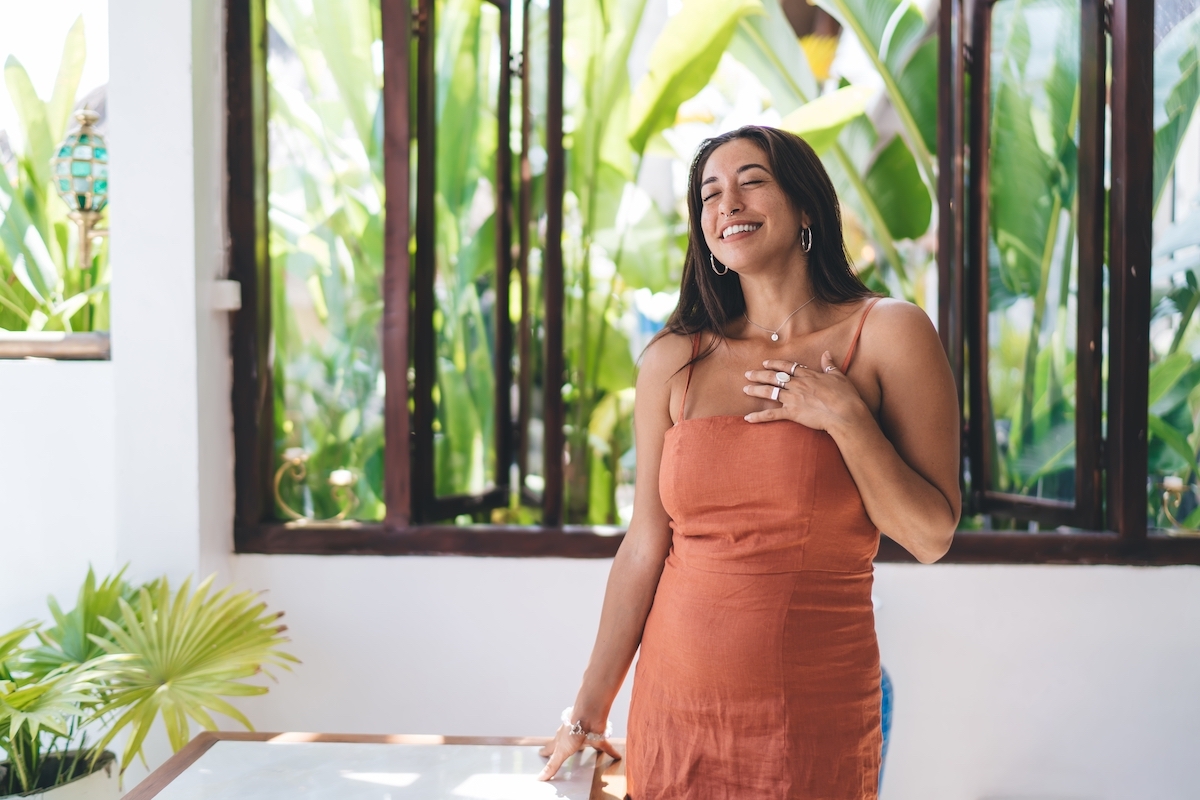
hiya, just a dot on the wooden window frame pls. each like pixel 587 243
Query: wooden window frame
pixel 1117 468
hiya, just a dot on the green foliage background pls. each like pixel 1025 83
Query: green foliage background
pixel 877 139
pixel 41 286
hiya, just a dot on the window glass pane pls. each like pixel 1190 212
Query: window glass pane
pixel 1032 246
pixel 619 244
pixel 625 222
pixel 324 70
pixel 56 64
pixel 469 67
pixel 531 41
pixel 1174 343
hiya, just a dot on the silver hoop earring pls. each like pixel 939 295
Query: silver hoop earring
pixel 806 242
pixel 712 262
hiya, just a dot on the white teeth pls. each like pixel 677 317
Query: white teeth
pixel 732 229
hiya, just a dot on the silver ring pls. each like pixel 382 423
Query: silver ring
pixel 782 377
pixel 830 368
pixel 775 393
pixel 795 364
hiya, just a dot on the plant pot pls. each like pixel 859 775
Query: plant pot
pixel 102 783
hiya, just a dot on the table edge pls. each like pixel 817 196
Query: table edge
pixel 174 766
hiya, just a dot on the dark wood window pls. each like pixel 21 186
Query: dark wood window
pixel 472 216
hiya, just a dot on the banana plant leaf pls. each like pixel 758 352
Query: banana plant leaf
pixel 1176 93
pixel 682 61
pixel 820 121
pixel 32 113
pixel 765 44
pixel 66 82
pixel 890 32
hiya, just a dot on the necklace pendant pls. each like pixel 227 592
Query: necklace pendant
pixel 774 337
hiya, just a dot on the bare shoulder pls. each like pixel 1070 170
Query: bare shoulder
pixel 661 376
pixel 662 359
pixel 898 334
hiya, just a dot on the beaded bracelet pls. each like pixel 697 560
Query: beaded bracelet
pixel 576 727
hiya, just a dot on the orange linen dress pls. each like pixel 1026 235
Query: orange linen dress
pixel 758 675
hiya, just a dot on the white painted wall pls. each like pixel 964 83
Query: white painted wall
pixel 57 486
pixel 1012 682
pixel 154 316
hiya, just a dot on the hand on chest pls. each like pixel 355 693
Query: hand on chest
pixel 716 387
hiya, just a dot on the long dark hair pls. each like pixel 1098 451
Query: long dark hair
pixel 707 301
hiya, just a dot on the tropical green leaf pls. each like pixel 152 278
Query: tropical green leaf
pixel 1174 439
pixel 176 656
pixel 682 61
pixel 11 642
pixel 31 262
pixel 32 112
pixel 895 183
pixel 66 83
pixel 68 641
pixel 610 434
pixel 1176 93
pixel 1165 374
pixel 918 85
pixel 1054 451
pixel 345 33
pixel 767 45
pixel 889 32
pixel 820 121
pixel 616 369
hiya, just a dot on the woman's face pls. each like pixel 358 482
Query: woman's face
pixel 747 219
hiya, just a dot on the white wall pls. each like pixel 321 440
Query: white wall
pixel 1041 682
pixel 153 299
pixel 1011 682
pixel 56 482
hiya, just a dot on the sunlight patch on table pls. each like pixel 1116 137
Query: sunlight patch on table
pixel 397 779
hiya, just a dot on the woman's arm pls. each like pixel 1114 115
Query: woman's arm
pixel 634 576
pixel 905 464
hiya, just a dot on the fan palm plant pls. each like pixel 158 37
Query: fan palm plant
pixel 122 659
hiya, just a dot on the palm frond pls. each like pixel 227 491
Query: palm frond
pixel 176 656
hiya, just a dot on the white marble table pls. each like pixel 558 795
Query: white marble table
pixel 269 766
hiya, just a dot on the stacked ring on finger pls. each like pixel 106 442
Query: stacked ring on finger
pixel 796 365
pixel 775 393
pixel 782 377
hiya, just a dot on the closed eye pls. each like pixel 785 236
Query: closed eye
pixel 710 197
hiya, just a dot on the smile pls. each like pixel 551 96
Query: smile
pixel 734 229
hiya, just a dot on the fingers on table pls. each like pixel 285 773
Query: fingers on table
pixel 561 754
pixel 607 747
pixel 563 748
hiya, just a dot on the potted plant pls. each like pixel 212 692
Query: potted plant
pixel 124 657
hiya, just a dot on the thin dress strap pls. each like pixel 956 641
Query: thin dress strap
pixel 854 341
pixel 692 363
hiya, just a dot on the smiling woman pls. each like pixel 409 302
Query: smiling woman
pixel 745 578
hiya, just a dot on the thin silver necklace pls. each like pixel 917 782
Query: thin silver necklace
pixel 775 333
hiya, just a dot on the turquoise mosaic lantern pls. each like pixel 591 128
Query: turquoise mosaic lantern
pixel 81 177
pixel 81 166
